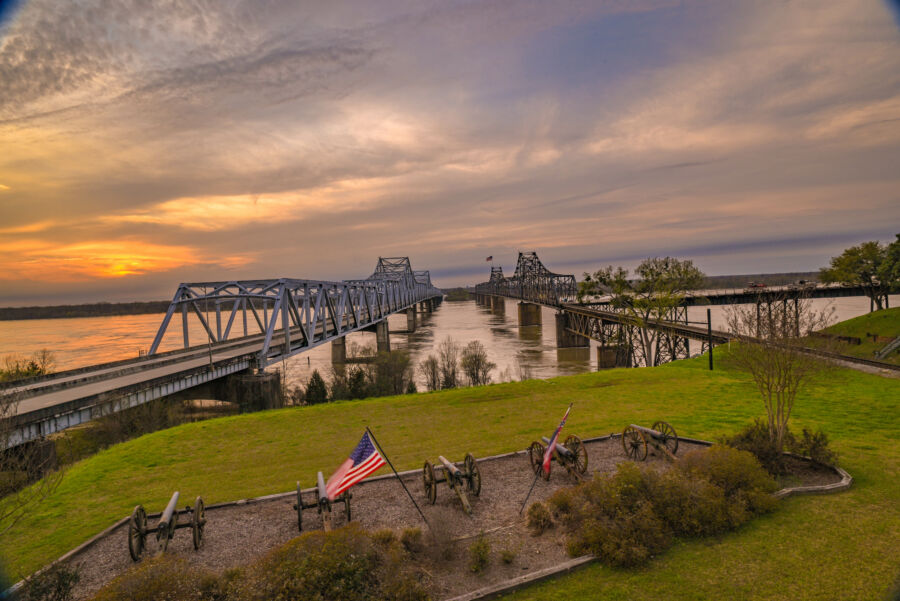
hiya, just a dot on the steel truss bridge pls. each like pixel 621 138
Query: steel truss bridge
pixel 615 329
pixel 247 324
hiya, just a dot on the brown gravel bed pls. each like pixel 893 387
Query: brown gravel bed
pixel 236 535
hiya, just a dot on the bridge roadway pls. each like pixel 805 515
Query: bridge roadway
pixel 670 327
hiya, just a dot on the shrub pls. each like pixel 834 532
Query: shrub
pixel 411 539
pixel 316 391
pixel 507 556
pixel 161 577
pixel 755 439
pixel 56 583
pixel 731 469
pixel 346 564
pixel 479 554
pixel 815 445
pixel 383 537
pixel 538 518
pixel 562 503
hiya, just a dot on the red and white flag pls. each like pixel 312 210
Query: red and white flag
pixel 489 259
pixel 364 460
pixel 548 454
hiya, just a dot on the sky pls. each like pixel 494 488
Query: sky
pixel 143 144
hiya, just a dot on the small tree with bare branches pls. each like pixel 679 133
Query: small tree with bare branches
pixel 772 349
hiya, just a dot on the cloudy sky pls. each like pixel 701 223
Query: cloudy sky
pixel 147 143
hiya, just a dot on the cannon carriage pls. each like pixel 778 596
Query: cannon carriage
pixel 460 481
pixel 322 504
pixel 166 527
pixel 571 454
pixel 637 441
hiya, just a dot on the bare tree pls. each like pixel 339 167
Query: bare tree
pixel 26 469
pixel 475 364
pixel 771 349
pixel 448 358
pixel 430 370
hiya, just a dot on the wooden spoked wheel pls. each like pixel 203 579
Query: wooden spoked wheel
pixel 635 444
pixel 574 444
pixel 536 456
pixel 669 439
pixel 474 475
pixel 428 480
pixel 137 532
pixel 198 522
pixel 299 509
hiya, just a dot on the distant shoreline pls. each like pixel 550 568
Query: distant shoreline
pixel 84 310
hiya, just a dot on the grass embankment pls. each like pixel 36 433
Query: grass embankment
pixel 841 546
pixel 885 323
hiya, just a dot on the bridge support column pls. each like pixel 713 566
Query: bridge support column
pixel 255 391
pixel 529 314
pixel 498 304
pixel 339 350
pixel 611 355
pixel 565 338
pixel 382 336
pixel 411 319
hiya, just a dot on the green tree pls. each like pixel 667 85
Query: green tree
pixel 889 272
pixel 657 289
pixel 316 391
pixel 864 266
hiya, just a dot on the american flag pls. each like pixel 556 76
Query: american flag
pixel 488 259
pixel 548 454
pixel 364 460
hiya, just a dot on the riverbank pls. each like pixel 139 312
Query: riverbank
pixel 85 310
pixel 785 555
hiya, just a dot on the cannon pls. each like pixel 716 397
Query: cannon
pixel 458 480
pixel 322 503
pixel 166 527
pixel 571 454
pixel 636 440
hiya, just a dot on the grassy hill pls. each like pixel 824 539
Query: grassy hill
pixel 885 323
pixel 809 549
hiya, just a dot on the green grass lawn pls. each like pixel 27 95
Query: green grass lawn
pixel 840 546
pixel 883 323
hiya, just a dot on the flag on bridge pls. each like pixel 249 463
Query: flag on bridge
pixel 548 454
pixel 364 460
pixel 489 259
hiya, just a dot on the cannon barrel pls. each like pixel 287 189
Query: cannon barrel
pixel 320 484
pixel 449 466
pixel 170 514
pixel 559 448
pixel 648 431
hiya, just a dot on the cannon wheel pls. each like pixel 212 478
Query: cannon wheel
pixel 669 439
pixel 198 522
pixel 574 444
pixel 635 444
pixel 347 504
pixel 429 481
pixel 299 509
pixel 474 475
pixel 137 532
pixel 536 456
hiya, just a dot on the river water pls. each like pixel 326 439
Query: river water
pixel 517 352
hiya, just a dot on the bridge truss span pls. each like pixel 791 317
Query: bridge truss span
pixel 531 282
pixel 295 315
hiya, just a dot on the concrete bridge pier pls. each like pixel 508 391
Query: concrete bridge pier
pixel 382 336
pixel 498 304
pixel 255 391
pixel 339 350
pixel 565 338
pixel 529 314
pixel 612 355
pixel 411 319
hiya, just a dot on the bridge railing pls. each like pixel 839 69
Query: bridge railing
pixel 293 315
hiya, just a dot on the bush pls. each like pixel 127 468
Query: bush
pixel 479 554
pixel 316 391
pixel 56 583
pixel 755 439
pixel 538 518
pixel 626 517
pixel 815 445
pixel 156 578
pixel 411 539
pixel 507 556
pixel 346 564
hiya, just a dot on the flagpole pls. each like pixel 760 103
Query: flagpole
pixel 538 472
pixel 375 440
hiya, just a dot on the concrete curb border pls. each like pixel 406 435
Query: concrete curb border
pixel 485 593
